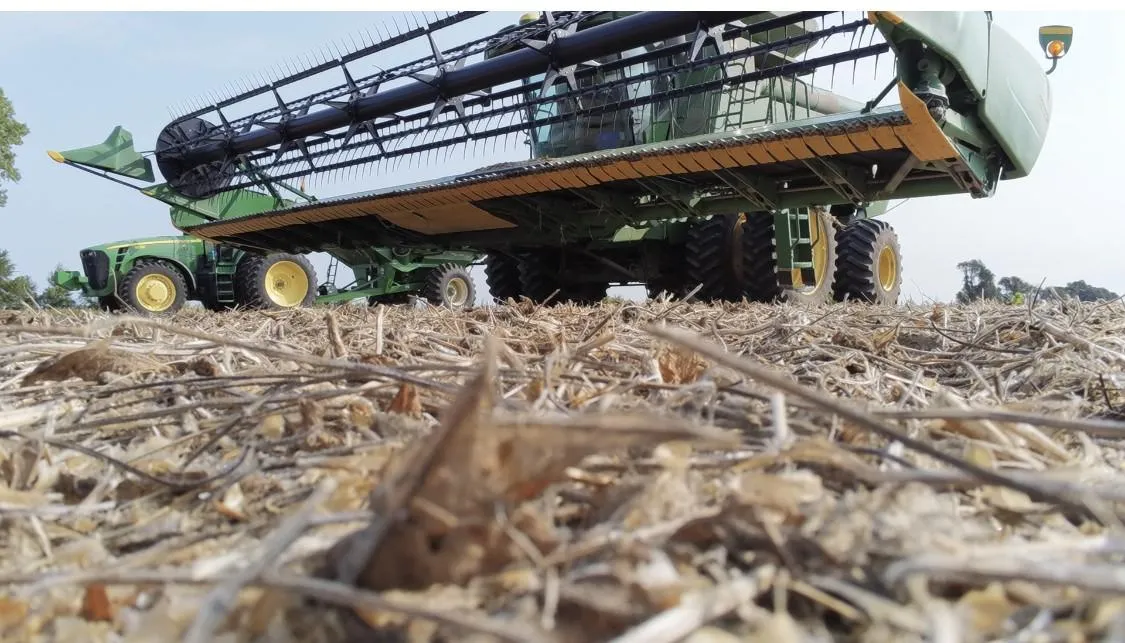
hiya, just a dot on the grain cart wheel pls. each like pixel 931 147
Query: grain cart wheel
pixel 759 249
pixel 154 287
pixel 502 274
pixel 279 280
pixel 451 286
pixel 869 263
pixel 712 259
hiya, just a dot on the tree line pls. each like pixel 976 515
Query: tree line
pixel 978 283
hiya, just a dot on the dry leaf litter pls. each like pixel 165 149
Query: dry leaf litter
pixel 625 472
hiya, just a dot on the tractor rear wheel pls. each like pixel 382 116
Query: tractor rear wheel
pixel 712 257
pixel 759 260
pixel 279 280
pixel 502 274
pixel 451 286
pixel 869 263
pixel 154 287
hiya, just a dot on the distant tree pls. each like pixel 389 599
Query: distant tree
pixel 1014 290
pixel 11 136
pixel 15 290
pixel 1083 291
pixel 977 282
pixel 55 296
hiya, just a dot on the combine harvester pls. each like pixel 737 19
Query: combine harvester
pixel 688 151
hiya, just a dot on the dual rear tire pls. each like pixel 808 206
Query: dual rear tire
pixel 732 257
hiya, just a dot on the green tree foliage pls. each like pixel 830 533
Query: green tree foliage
pixel 55 296
pixel 11 136
pixel 978 284
pixel 1085 292
pixel 15 290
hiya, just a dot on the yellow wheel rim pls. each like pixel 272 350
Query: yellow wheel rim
pixel 286 283
pixel 819 255
pixel 155 293
pixel 888 268
pixel 456 291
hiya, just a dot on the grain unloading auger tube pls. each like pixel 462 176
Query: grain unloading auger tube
pixel 632 118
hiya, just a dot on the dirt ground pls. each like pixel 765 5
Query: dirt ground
pixel 629 472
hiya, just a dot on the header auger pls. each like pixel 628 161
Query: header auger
pixel 675 149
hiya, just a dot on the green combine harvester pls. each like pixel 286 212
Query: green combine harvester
pixel 158 275
pixel 686 151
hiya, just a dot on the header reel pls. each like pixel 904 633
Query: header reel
pixel 588 61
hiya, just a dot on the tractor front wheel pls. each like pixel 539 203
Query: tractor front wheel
pixel 451 286
pixel 869 265
pixel 279 280
pixel 154 287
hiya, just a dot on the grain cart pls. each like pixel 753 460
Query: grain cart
pixel 158 275
pixel 674 149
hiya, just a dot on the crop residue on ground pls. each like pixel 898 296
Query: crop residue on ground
pixel 626 472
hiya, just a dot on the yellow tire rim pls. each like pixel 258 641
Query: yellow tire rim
pixel 888 268
pixel 456 291
pixel 819 255
pixel 286 283
pixel 155 293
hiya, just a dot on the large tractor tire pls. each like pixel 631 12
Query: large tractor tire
pixel 279 280
pixel 450 286
pixel 869 266
pixel 109 303
pixel 759 261
pixel 539 276
pixel 502 274
pixel 154 287
pixel 712 257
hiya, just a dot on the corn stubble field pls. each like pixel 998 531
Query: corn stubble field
pixel 628 472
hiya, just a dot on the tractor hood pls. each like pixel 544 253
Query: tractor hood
pixel 141 242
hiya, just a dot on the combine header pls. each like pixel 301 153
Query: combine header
pixel 682 150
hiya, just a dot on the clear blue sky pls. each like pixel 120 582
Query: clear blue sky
pixel 73 76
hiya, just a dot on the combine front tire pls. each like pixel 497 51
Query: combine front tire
pixel 502 274
pixel 713 259
pixel 451 286
pixel 760 273
pixel 275 281
pixel 154 287
pixel 869 263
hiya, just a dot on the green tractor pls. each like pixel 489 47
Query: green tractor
pixel 158 275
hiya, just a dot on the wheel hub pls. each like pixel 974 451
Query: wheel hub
pixel 286 284
pixel 888 268
pixel 456 291
pixel 156 292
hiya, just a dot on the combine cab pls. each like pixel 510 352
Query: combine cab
pixel 705 151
